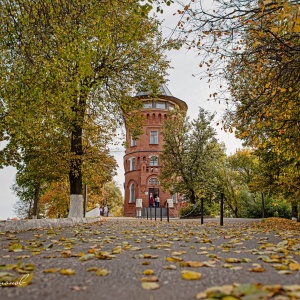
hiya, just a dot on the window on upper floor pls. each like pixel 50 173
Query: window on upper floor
pixel 160 105
pixel 171 106
pixel 132 142
pixel 132 164
pixel 147 104
pixel 153 161
pixel 153 137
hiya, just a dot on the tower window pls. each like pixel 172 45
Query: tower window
pixel 147 104
pixel 160 105
pixel 132 193
pixel 153 137
pixel 153 161
pixel 132 164
pixel 132 142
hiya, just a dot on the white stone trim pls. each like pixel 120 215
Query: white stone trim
pixel 76 206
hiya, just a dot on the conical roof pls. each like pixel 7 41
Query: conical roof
pixel 163 89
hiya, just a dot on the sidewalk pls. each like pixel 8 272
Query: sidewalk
pixel 113 259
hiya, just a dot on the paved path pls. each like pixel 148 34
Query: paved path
pixel 128 247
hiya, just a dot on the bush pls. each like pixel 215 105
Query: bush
pixel 252 207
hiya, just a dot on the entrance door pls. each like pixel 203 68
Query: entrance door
pixel 152 192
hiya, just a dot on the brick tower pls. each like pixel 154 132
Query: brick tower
pixel 141 160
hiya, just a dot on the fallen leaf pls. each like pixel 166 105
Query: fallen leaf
pixel 67 271
pixel 148 272
pixel 190 275
pixel 102 272
pixel 51 270
pixel 149 279
pixel 150 285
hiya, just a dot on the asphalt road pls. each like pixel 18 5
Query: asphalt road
pixel 126 248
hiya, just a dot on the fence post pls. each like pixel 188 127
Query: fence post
pixel 263 205
pixel 202 212
pixel 155 213
pixel 222 209
pixel 147 213
pixel 84 200
pixel 160 213
pixel 168 215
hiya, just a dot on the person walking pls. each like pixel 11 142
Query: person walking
pixel 105 211
pixel 156 201
pixel 151 201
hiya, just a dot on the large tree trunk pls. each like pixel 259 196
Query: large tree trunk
pixel 37 185
pixel 75 173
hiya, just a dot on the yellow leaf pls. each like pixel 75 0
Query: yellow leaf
pixel 174 259
pixel 102 272
pixel 190 275
pixel 150 285
pixel 24 280
pixel 233 260
pixel 67 271
pixel 192 264
pixel 294 266
pixel 51 270
pixel 148 272
pixel 149 279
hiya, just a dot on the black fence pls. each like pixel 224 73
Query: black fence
pixel 156 213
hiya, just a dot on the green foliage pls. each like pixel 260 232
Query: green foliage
pixel 68 71
pixel 252 207
pixel 191 155
pixel 211 209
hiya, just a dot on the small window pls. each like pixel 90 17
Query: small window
pixel 147 104
pixel 171 106
pixel 153 137
pixel 132 164
pixel 160 105
pixel 153 161
pixel 132 142
pixel 132 193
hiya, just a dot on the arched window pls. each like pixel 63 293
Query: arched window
pixel 132 193
pixel 153 160
pixel 153 181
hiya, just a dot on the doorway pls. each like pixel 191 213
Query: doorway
pixel 152 192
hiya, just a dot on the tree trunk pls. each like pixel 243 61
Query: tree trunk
pixel 193 197
pixel 75 173
pixel 36 199
pixel 294 212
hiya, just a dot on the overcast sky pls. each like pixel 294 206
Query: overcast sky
pixel 182 84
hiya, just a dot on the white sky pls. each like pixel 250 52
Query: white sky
pixel 181 84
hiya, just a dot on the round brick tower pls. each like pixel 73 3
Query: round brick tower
pixel 141 160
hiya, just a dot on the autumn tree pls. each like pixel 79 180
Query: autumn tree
pixel 68 70
pixel 251 50
pixel 237 175
pixel 191 155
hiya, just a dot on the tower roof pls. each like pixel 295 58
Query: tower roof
pixel 163 91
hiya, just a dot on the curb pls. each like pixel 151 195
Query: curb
pixel 20 225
